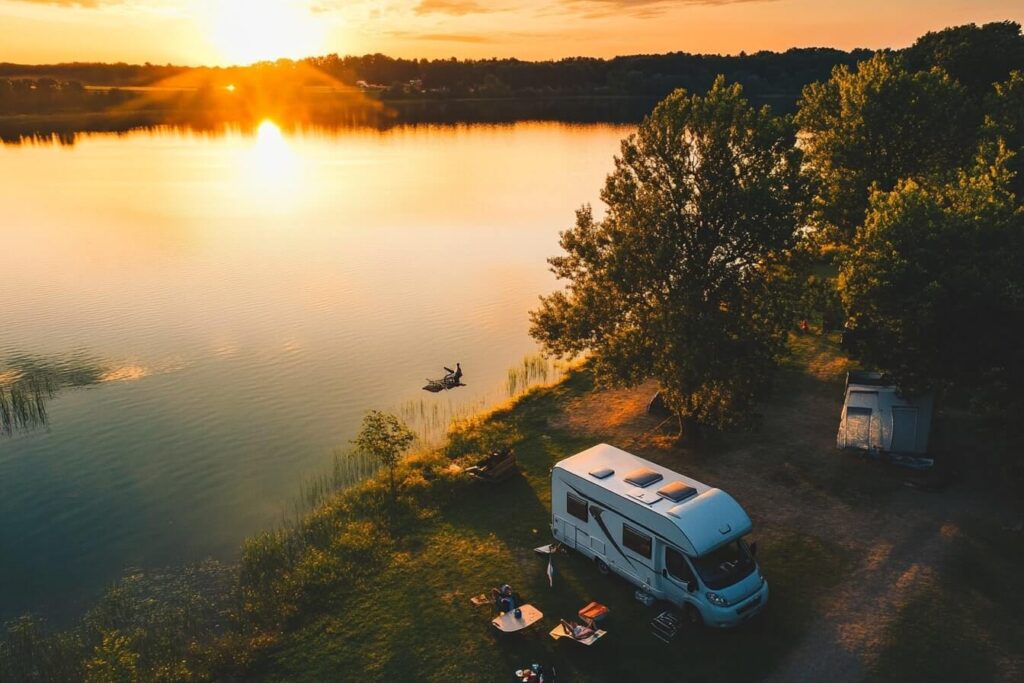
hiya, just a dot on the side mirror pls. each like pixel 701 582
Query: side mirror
pixel 691 586
pixel 753 549
pixel 664 572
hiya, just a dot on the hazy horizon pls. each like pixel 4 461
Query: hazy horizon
pixel 234 33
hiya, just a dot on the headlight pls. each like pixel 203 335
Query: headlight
pixel 716 599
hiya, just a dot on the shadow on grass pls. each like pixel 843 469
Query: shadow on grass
pixel 963 624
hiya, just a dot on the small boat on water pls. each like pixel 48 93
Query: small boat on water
pixel 443 384
pixel 450 381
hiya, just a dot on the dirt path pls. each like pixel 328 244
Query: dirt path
pixel 842 643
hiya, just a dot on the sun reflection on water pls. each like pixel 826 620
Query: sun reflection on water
pixel 274 168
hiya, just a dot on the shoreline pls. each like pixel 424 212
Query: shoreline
pixel 367 113
pixel 296 607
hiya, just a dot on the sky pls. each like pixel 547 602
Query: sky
pixel 220 32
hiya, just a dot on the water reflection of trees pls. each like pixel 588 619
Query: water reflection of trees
pixel 325 113
pixel 27 383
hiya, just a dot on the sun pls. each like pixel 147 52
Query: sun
pixel 246 31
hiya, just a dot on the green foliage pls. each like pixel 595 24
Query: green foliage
pixel 677 282
pixel 975 56
pixel 114 661
pixel 384 437
pixel 1004 126
pixel 477 436
pixel 820 303
pixel 871 127
pixel 148 627
pixel 935 285
pixel 30 652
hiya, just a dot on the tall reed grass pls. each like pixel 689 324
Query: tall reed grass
pixel 23 402
pixel 432 418
pixel 348 468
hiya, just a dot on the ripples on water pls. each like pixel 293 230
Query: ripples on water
pixel 208 318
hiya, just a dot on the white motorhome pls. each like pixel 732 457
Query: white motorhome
pixel 678 539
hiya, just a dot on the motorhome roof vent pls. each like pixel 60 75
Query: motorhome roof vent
pixel 677 491
pixel 643 477
pixel 602 473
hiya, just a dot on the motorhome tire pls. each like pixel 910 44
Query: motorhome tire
pixel 601 566
pixel 693 617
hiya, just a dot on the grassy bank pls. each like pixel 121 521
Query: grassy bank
pixel 410 618
pixel 869 579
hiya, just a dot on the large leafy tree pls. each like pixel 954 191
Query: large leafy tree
pixel 678 280
pixel 934 285
pixel 874 126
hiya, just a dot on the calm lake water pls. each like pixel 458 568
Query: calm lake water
pixel 218 313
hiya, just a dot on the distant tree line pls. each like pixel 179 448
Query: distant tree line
pixel 94 73
pixel 764 75
pixel 48 95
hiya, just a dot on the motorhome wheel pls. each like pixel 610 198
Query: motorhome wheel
pixel 601 566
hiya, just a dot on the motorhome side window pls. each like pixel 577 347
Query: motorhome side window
pixel 577 507
pixel 637 542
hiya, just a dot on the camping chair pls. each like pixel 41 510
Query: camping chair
pixel 586 634
pixel 497 466
pixel 593 612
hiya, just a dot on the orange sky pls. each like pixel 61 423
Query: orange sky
pixel 241 31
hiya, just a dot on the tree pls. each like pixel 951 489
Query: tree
pixel 934 285
pixel 1004 126
pixel 676 282
pixel 875 126
pixel 974 56
pixel 384 437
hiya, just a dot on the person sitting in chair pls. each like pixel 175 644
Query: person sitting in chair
pixel 454 377
pixel 577 631
pixel 503 598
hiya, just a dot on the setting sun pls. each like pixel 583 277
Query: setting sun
pixel 245 32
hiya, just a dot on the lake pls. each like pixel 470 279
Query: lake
pixel 212 314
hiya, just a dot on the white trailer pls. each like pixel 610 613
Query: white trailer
pixel 678 539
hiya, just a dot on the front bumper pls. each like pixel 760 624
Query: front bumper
pixel 734 615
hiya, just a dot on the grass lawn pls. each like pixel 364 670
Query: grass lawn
pixel 870 579
pixel 414 621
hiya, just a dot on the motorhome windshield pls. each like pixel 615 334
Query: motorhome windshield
pixel 725 566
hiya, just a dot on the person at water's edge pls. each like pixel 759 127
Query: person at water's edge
pixel 455 374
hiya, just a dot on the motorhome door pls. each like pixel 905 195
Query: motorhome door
pixel 677 575
pixel 565 532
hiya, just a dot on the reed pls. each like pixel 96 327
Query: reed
pixel 348 468
pixel 23 402
pixel 432 419
pixel 535 370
